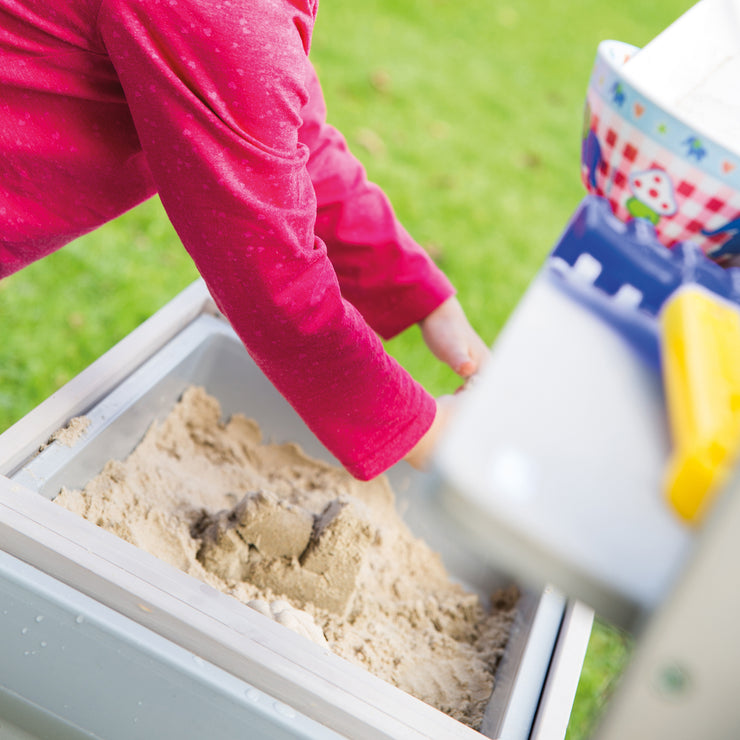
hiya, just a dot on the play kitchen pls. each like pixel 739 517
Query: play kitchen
pixel 139 601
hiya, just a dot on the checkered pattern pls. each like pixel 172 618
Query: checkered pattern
pixel 704 202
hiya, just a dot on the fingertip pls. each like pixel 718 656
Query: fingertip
pixel 466 369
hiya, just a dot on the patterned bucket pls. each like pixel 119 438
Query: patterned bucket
pixel 649 164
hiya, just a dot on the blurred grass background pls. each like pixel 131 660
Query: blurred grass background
pixel 467 112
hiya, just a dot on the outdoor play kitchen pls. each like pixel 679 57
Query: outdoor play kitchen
pixel 182 558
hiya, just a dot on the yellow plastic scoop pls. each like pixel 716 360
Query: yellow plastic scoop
pixel 701 373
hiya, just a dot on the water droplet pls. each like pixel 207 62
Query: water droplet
pixel 253 695
pixel 79 619
pixel 43 643
pixel 198 661
pixel 24 631
pixel 39 618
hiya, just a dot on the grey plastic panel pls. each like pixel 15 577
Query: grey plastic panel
pixel 72 668
pixel 205 353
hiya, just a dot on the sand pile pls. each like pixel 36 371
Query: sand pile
pixel 305 543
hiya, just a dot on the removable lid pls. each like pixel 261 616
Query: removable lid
pixel 692 69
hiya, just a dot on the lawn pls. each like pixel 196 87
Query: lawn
pixel 467 112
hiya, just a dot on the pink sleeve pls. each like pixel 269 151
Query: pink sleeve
pixel 216 99
pixel 381 269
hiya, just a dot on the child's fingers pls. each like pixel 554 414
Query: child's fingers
pixel 471 359
pixel 452 340
pixel 466 368
pixel 464 357
pixel 454 352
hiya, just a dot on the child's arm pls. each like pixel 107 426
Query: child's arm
pixel 382 271
pixel 216 99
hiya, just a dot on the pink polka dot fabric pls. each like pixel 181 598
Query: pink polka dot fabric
pixel 216 107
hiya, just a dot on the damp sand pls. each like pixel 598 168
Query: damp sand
pixel 304 542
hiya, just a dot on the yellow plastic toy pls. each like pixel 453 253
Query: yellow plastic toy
pixel 701 374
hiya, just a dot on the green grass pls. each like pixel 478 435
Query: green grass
pixel 467 112
pixel 607 655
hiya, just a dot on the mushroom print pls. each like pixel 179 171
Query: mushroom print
pixel 652 195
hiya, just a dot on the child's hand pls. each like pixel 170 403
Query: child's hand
pixel 452 339
pixel 421 453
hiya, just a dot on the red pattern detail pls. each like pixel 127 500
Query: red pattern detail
pixel 630 153
pixel 714 204
pixel 694 225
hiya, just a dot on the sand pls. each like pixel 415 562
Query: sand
pixel 306 544
pixel 71 434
